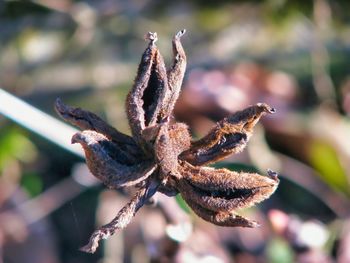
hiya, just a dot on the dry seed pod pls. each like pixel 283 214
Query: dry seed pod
pixel 160 155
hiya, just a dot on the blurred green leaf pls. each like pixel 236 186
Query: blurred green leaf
pixel 15 145
pixel 32 183
pixel 212 19
pixel 278 251
pixel 324 159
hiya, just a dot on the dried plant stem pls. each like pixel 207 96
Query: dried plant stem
pixel 123 217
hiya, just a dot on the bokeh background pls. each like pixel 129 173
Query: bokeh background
pixel 293 55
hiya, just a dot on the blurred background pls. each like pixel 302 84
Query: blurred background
pixel 293 55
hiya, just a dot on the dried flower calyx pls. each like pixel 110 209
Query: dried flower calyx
pixel 161 156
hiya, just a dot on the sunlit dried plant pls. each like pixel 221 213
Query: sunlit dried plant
pixel 160 155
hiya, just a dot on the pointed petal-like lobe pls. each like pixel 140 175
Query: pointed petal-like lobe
pixel 175 74
pixel 108 163
pixel 86 120
pixel 144 101
pixel 223 218
pixel 224 190
pixel 227 137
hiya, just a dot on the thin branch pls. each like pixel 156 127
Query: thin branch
pixel 39 122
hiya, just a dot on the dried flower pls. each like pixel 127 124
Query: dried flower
pixel 160 155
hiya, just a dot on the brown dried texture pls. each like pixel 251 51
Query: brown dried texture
pixel 222 190
pixel 227 137
pixel 176 73
pixel 105 161
pixel 161 157
pixel 123 217
pixel 86 120
pixel 170 142
pixel 144 101
pixel 222 219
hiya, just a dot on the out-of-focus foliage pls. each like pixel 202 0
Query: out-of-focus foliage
pixel 15 146
pixel 290 54
pixel 324 159
pixel 279 251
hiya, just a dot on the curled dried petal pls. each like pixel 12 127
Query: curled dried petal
pixel 227 137
pixel 145 99
pixel 224 190
pixel 86 120
pixel 108 163
pixel 175 74
pixel 223 218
